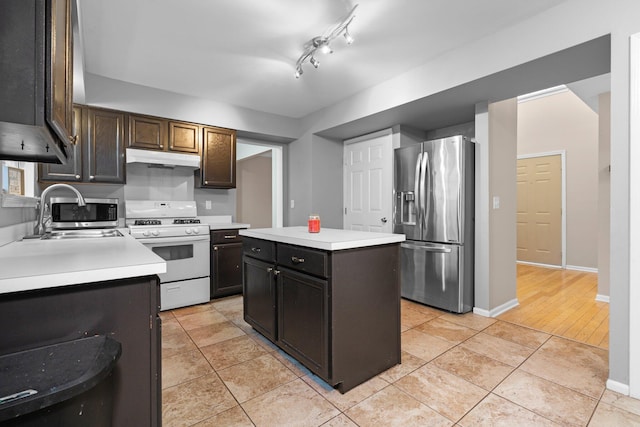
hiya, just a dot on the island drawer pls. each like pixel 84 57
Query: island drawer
pixel 303 259
pixel 225 236
pixel 258 248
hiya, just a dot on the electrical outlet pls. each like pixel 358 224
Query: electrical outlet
pixel 496 202
pixel 293 204
pixel 207 204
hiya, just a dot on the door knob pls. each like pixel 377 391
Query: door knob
pixel 384 219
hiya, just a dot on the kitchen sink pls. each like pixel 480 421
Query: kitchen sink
pixel 80 234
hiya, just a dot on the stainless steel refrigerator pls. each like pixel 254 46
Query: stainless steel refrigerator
pixel 434 209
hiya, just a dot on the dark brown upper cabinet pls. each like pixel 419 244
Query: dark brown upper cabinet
pixel 218 158
pixel 60 73
pixel 184 137
pixel 36 70
pixel 149 133
pixel 72 170
pixel 156 133
pixel 106 130
pixel 98 155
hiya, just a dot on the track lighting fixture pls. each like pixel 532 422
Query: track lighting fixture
pixel 321 43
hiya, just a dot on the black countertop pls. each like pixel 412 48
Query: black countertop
pixel 38 378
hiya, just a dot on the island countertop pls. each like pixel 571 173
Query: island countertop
pixel 329 239
pixel 41 264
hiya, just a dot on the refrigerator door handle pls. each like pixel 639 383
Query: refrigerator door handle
pixel 416 191
pixel 425 181
pixel 438 249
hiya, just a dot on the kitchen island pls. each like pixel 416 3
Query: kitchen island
pixel 330 299
pixel 60 291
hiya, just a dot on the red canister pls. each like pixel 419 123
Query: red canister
pixel 314 223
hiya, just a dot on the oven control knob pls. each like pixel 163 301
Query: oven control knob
pixel 196 231
pixel 155 232
pixel 145 233
pixel 188 231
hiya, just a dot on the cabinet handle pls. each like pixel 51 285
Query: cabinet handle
pixel 296 260
pixel 276 272
pixel 256 250
pixel 73 139
pixel 206 183
pixel 77 176
pixel 269 270
pixel 215 248
pixel 230 236
pixel 91 177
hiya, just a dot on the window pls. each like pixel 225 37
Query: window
pixel 18 184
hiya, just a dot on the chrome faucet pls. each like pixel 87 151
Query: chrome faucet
pixel 39 228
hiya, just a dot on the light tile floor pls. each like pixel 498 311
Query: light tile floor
pixel 462 370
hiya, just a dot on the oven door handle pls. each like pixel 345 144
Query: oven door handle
pixel 185 240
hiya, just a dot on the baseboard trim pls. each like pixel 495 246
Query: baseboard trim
pixel 481 312
pixel 537 264
pixel 602 298
pixel 498 310
pixel 559 267
pixel 579 268
pixel 618 387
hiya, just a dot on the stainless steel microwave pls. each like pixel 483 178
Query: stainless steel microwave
pixel 97 213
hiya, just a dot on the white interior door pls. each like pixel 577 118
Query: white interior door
pixel 368 182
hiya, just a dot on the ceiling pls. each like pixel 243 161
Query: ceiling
pixel 243 52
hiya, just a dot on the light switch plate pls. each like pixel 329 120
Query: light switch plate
pixel 496 202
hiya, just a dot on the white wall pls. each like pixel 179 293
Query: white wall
pixel 253 191
pixel 503 123
pixel 119 95
pixel 604 195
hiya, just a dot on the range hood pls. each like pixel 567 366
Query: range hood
pixel 163 158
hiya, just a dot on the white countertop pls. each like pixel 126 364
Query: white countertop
pixel 221 222
pixel 41 264
pixel 330 239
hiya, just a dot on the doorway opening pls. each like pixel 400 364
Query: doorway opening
pixel 259 184
pixel 567 295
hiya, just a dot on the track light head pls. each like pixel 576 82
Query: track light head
pixel 314 62
pixel 325 48
pixel 348 36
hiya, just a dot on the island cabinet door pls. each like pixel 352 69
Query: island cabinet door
pixel 303 319
pixel 259 296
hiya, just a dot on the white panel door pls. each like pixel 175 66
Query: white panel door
pixel 368 183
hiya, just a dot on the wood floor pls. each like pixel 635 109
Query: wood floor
pixel 561 302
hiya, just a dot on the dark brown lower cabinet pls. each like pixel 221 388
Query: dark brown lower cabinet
pixel 125 310
pixel 259 296
pixel 226 263
pixel 303 319
pixel 336 312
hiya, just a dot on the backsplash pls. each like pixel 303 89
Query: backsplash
pixel 146 182
pixel 143 183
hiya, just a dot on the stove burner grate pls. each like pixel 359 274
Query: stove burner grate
pixel 186 221
pixel 147 222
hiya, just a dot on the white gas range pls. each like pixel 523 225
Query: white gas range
pixel 172 231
